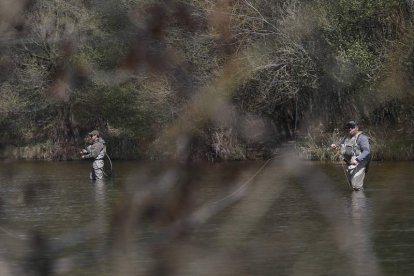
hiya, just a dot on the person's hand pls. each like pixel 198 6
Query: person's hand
pixel 334 146
pixel 83 156
pixel 84 151
pixel 354 161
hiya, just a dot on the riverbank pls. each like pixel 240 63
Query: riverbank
pixel 311 146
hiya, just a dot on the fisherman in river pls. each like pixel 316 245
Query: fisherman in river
pixel 96 151
pixel 355 150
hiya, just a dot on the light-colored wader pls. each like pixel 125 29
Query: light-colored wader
pixel 97 166
pixel 97 170
pixel 354 173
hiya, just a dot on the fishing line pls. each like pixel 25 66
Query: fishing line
pixel 7 232
pixel 108 173
pixel 239 189
pixel 346 176
pixel 344 170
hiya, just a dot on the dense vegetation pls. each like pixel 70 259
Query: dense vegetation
pixel 204 79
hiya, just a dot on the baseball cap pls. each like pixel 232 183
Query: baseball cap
pixel 351 124
pixel 94 132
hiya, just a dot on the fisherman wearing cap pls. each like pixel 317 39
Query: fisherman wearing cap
pixel 95 151
pixel 355 150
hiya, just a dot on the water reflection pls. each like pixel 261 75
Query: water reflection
pixel 280 225
pixel 363 257
pixel 100 194
pixel 100 188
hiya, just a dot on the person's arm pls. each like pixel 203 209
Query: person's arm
pixel 365 148
pixel 338 143
pixel 94 150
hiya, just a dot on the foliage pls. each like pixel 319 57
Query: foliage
pixel 137 69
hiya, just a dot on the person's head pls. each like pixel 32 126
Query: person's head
pixel 93 135
pixel 352 127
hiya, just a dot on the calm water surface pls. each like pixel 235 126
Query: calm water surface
pixel 239 218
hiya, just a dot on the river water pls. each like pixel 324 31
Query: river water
pixel 281 217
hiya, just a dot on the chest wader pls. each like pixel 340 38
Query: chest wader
pixel 97 171
pixel 350 148
pixel 355 173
